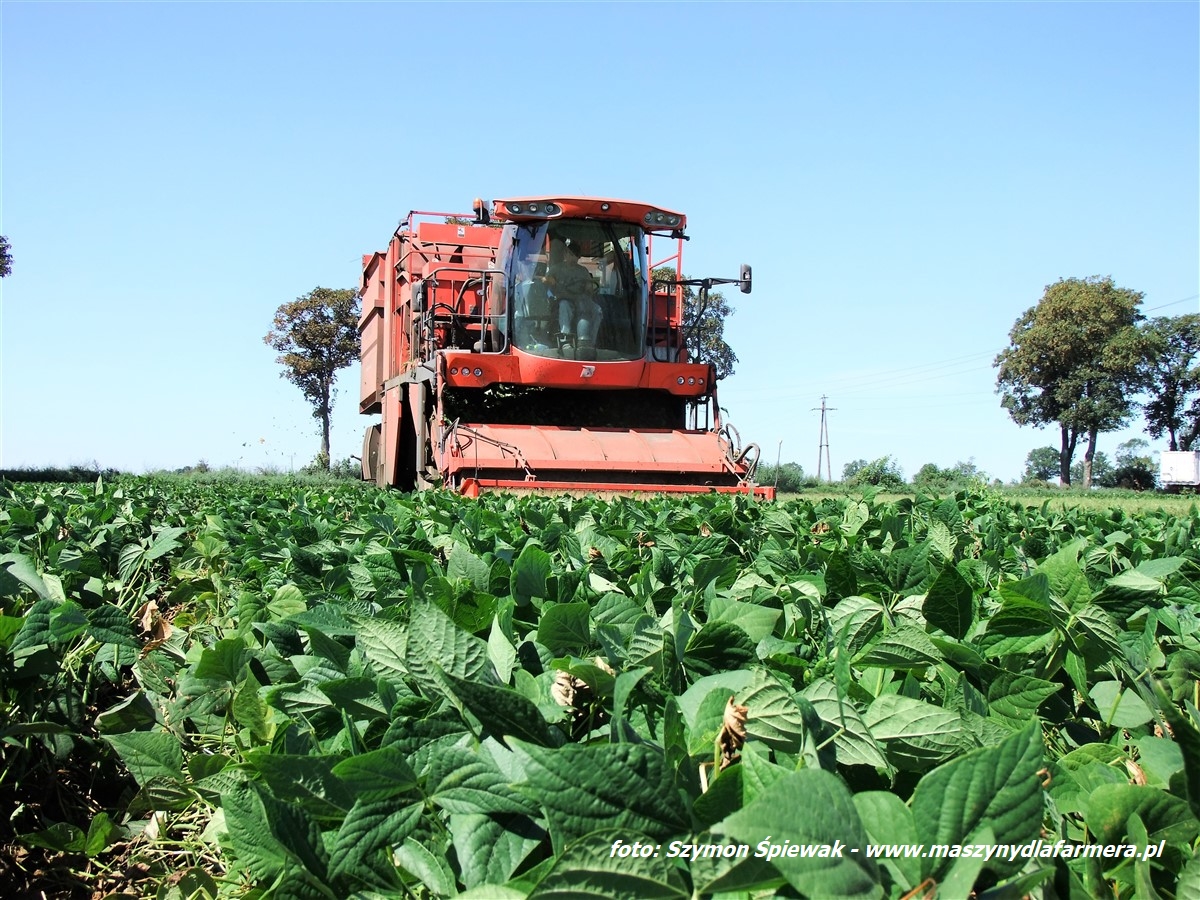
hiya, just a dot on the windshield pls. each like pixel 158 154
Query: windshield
pixel 577 288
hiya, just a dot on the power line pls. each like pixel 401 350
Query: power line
pixel 1174 303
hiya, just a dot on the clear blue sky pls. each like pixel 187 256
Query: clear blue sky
pixel 905 179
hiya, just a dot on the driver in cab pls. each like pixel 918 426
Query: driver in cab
pixel 574 286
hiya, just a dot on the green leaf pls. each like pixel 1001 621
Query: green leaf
pixel 756 621
pixel 304 781
pixel 529 574
pixel 131 714
pixel 501 652
pixel 583 788
pixel 223 661
pixel 108 624
pixel 855 744
pixel 431 869
pixel 504 712
pixel 1016 698
pixel 1166 816
pixel 855 621
pixel 950 603
pixel 361 851
pixel 1068 583
pixel 436 645
pixel 902 648
pixel 384 643
pixel 462 563
pixel 251 711
pixel 101 834
pixel 717 647
pixel 376 775
pixel 830 818
pixel 1018 630
pixel 995 786
pixel 149 755
pixel 468 781
pixel 491 848
pixel 265 837
pixel 588 868
pixel 772 716
pixel 563 627
pixel 61 837
pixel 888 821
pixel 288 601
pixel 165 542
pixel 916 734
pixel 1119 706
pixel 67 621
pixel 15 569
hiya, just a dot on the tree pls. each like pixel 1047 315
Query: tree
pixel 882 472
pixel 1135 468
pixel 5 257
pixel 1074 360
pixel 962 475
pixel 1041 464
pixel 788 477
pixel 704 325
pixel 1171 378
pixel 316 335
pixel 1102 471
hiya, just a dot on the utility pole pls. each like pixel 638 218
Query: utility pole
pixel 823 445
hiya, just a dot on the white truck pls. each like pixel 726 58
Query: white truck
pixel 1179 469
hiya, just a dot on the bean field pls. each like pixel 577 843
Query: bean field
pixel 276 688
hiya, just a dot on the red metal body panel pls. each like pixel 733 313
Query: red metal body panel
pixel 542 448
pixel 517 367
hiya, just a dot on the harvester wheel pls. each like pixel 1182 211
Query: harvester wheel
pixel 370 452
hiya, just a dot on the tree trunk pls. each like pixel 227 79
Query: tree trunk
pixel 1173 445
pixel 1088 456
pixel 325 415
pixel 1066 454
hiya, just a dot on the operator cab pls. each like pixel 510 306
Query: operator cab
pixel 577 288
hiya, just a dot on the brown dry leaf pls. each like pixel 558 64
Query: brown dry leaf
pixel 1137 775
pixel 154 627
pixel 145 615
pixel 732 736
pixel 705 531
pixel 577 696
pixel 563 688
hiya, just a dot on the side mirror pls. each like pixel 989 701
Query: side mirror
pixel 744 280
pixel 418 297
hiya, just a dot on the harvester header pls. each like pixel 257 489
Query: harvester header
pixel 528 346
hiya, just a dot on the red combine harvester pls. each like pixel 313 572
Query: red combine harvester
pixel 525 347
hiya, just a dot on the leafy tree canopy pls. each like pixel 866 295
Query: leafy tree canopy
pixel 788 477
pixel 962 475
pixel 1171 378
pixel 1041 464
pixel 705 323
pixel 1074 360
pixel 5 257
pixel 316 335
pixel 882 472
